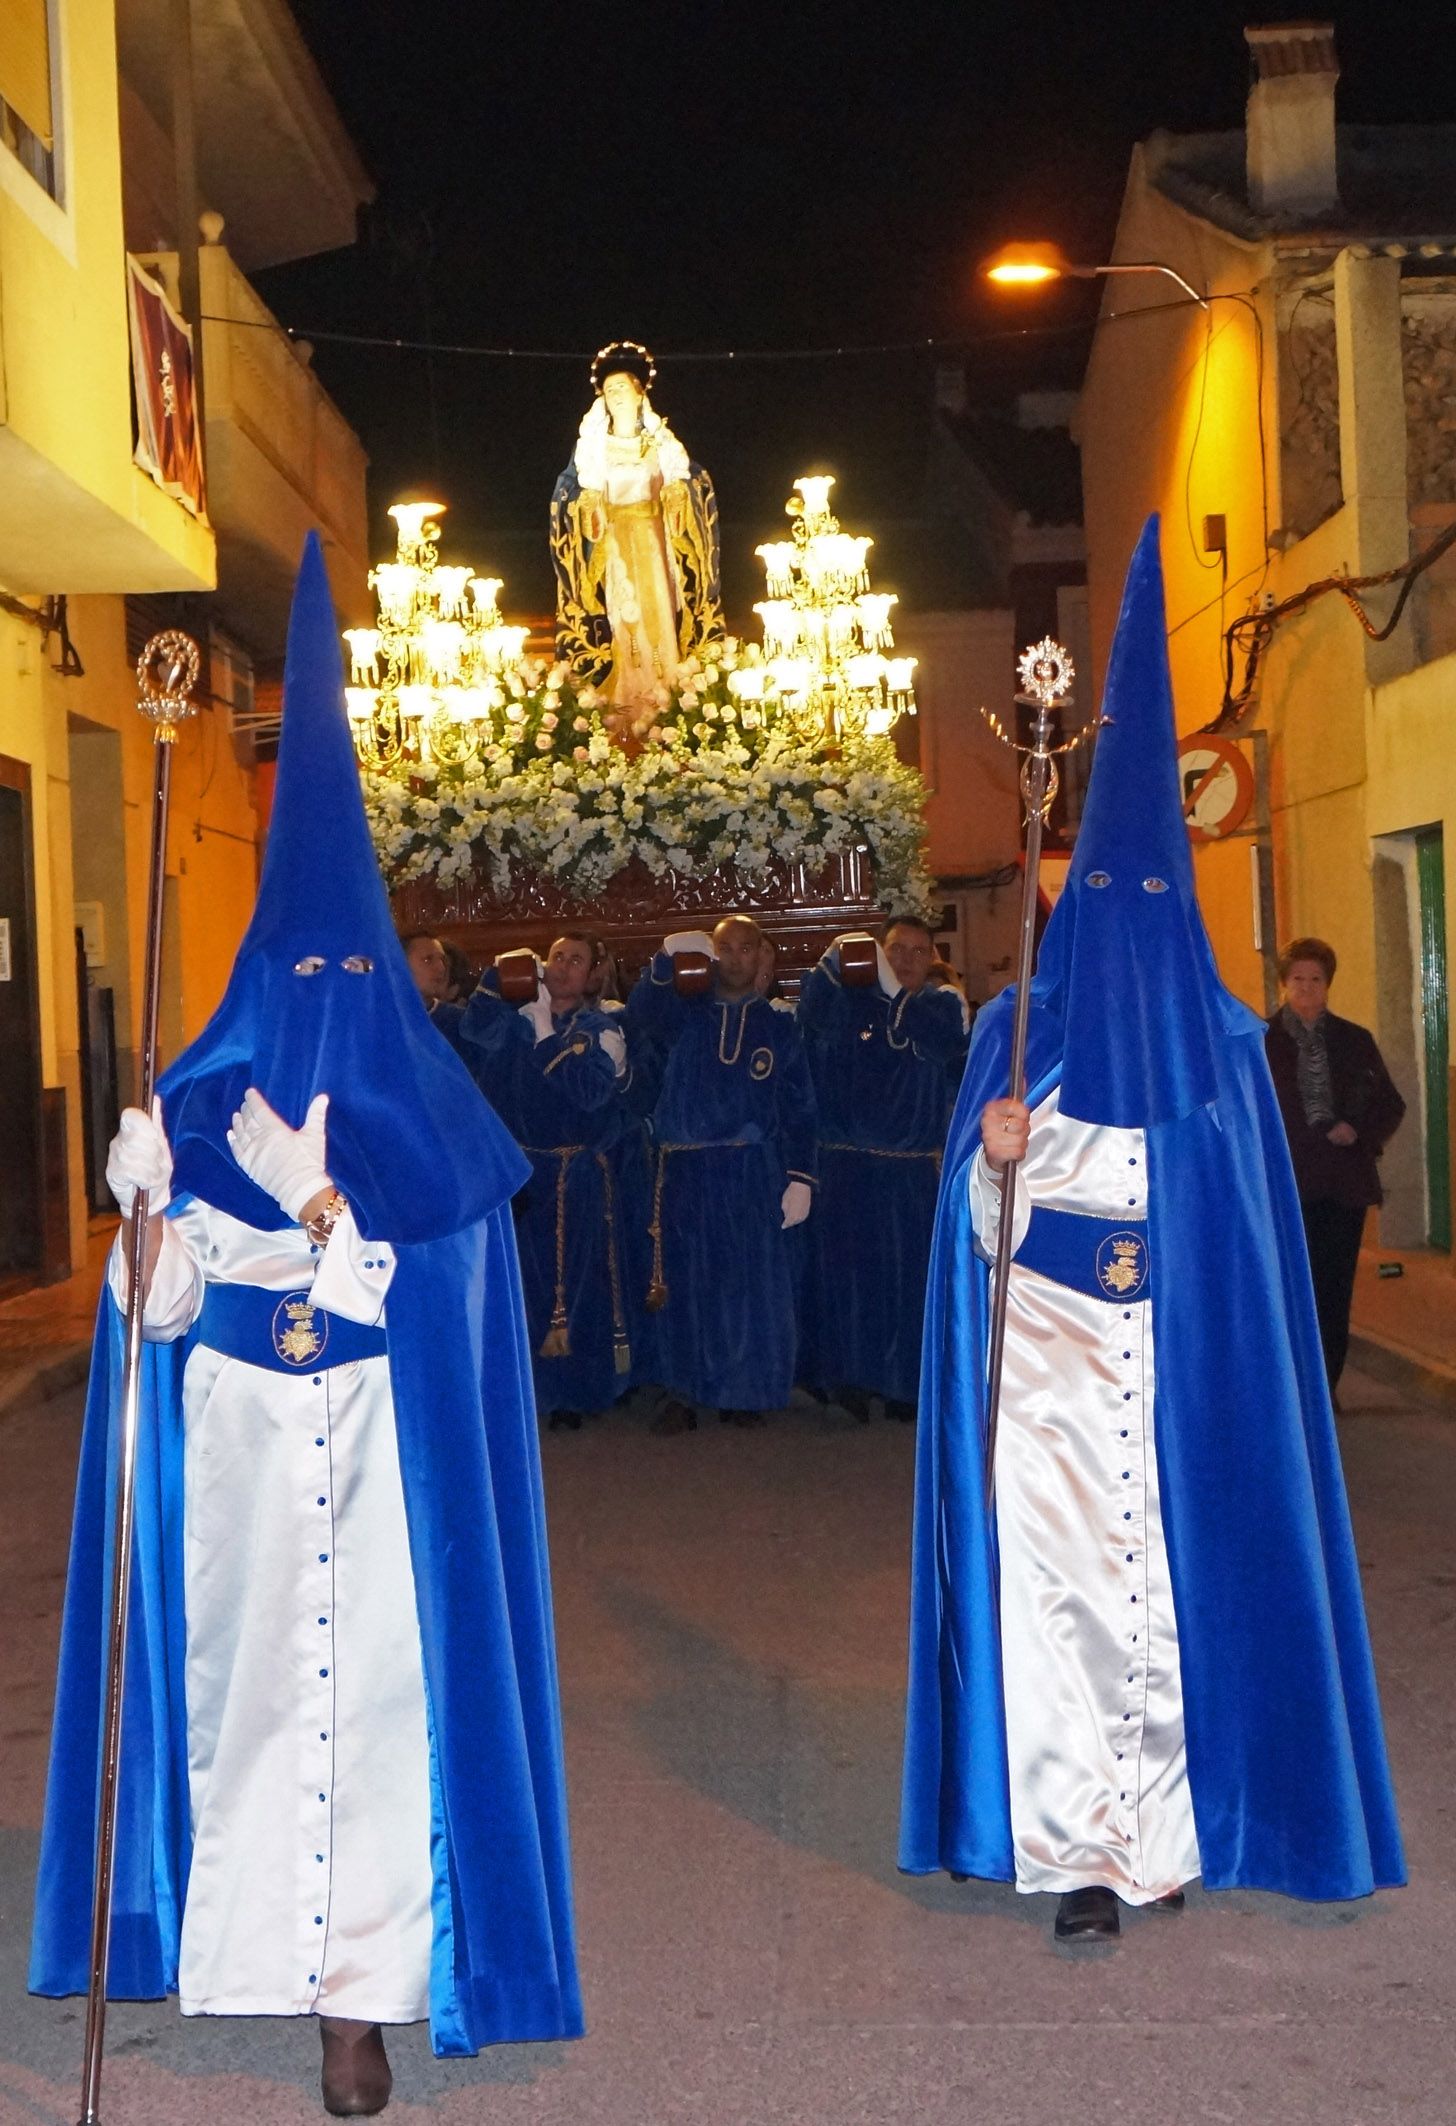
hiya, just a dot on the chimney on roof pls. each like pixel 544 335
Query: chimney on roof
pixel 1290 128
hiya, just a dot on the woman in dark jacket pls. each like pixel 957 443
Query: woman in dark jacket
pixel 1340 1111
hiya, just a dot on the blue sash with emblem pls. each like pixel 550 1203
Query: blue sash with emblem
pixel 282 1331
pixel 1103 1258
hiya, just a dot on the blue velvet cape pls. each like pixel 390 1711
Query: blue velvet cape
pixel 1286 1755
pixel 321 1000
pixel 503 1963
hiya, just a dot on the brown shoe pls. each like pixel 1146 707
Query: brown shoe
pixel 674 1417
pixel 356 2079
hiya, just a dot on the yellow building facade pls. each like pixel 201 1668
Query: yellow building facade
pixel 1290 433
pixel 94 555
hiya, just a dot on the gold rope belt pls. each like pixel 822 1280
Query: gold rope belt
pixel 657 1289
pixel 556 1343
pixel 873 1151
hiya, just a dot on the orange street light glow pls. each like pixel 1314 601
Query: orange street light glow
pixel 1033 265
pixel 1025 265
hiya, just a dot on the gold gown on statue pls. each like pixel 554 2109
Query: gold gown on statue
pixel 636 559
pixel 637 575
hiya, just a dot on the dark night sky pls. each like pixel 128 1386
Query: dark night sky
pixel 743 176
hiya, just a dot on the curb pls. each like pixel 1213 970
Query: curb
pixel 47 1378
pixel 1425 1380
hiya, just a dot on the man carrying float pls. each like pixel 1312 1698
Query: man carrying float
pixel 733 1134
pixel 886 1050
pixel 556 1072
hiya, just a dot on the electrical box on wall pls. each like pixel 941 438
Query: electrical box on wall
pixel 91 922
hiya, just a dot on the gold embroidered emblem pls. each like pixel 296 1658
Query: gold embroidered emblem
pixel 1122 1264
pixel 760 1063
pixel 298 1334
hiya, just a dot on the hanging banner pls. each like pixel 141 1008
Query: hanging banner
pixel 169 444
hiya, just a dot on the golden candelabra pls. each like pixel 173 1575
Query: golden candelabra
pixel 430 679
pixel 825 633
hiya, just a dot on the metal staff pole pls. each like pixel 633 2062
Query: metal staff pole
pixel 173 659
pixel 1046 673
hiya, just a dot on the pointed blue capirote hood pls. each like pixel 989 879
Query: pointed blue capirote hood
pixel 321 998
pixel 1125 962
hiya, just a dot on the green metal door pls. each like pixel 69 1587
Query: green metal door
pixel 1431 871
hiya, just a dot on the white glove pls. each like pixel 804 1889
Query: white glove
pixel 290 1165
pixel 689 941
pixel 537 1014
pixel 797 1203
pixel 890 982
pixel 140 1158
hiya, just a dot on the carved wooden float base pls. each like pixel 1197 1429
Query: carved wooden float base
pixel 801 906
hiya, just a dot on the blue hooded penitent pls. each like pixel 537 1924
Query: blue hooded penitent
pixel 1141 1051
pixel 321 1000
pixel 1286 1754
pixel 402 1107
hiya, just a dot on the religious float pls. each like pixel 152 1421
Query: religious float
pixel 659 771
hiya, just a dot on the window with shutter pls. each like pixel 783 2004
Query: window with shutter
pixel 25 65
pixel 27 126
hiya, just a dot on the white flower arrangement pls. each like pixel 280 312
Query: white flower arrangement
pixel 543 787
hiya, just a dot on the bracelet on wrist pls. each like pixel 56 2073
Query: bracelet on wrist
pixel 323 1221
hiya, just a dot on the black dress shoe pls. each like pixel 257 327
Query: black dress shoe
pixel 564 1421
pixel 356 2081
pixel 900 1413
pixel 857 1403
pixel 674 1417
pixel 1173 1902
pixel 744 1418
pixel 1088 1915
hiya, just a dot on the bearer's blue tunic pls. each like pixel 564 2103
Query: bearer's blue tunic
pixel 733 1125
pixel 581 1219
pixel 885 1075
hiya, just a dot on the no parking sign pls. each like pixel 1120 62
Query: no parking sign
pixel 1216 784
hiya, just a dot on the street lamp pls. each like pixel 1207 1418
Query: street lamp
pixel 1033 265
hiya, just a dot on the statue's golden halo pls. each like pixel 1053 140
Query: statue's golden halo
pixel 630 355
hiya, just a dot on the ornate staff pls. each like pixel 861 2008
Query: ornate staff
pixel 166 674
pixel 1046 673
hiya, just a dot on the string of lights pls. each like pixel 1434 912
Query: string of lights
pixel 953 344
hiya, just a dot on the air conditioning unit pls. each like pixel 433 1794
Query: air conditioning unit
pixel 254 724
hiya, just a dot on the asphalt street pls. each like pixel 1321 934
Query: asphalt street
pixel 731 1622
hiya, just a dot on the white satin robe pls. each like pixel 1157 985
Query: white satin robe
pixel 308 1758
pixel 1089 1640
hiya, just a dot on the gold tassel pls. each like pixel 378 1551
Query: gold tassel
pixel 621 1348
pixel 556 1343
pixel 657 1290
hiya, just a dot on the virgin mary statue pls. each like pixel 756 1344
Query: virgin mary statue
pixel 634 539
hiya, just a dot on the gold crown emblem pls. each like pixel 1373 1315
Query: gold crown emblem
pixel 1125 1268
pixel 301 1340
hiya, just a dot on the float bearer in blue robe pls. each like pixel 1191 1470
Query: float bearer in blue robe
pixel 734 1168
pixel 1151 1664
pixel 885 1062
pixel 341 1787
pixel 556 1072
